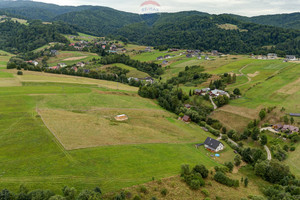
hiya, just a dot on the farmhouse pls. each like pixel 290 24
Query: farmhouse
pixel 164 62
pixel 216 93
pixel 214 53
pixel 149 80
pixel 272 56
pixel 186 118
pixel 286 128
pixel 160 58
pixel 133 78
pixel 291 57
pixel 189 55
pixel 167 56
pixel 202 91
pixel 61 65
pixel 148 49
pixel 122 117
pixel 187 106
pixel 206 58
pixel 213 145
pixel 290 129
pixel 54 52
pixel 80 64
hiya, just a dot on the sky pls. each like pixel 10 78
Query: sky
pixel 240 7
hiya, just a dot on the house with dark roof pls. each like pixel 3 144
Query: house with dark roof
pixel 188 106
pixel 213 145
pixel 160 58
pixel 291 57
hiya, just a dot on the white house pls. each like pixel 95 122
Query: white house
pixel 291 57
pixel 213 145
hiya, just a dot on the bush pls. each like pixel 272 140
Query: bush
pixel 223 179
pixel 137 198
pixel 229 165
pixel 164 192
pixel 143 189
pixel 20 73
pixel 205 192
pixel 292 148
pixel 201 169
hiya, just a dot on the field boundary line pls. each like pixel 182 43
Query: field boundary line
pixel 55 138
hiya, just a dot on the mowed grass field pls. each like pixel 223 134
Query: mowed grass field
pixel 71 57
pixel 154 145
pixel 133 72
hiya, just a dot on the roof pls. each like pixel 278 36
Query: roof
pixel 212 143
pixel 290 56
pixel 186 118
pixel 295 114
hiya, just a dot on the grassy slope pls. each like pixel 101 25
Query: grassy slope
pixel 30 155
pixel 67 56
pixel 132 71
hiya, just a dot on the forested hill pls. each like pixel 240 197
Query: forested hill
pixel 221 32
pixel 291 20
pixel 37 10
pixel 18 38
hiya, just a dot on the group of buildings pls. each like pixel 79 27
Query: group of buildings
pixel 272 56
pixel 212 93
pixel 288 129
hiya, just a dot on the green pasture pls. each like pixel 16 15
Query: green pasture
pixel 71 57
pixel 31 155
pixel 133 72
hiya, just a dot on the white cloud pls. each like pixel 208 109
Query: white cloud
pixel 241 7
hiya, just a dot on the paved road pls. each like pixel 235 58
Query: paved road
pixel 230 140
pixel 269 129
pixel 213 103
pixel 268 152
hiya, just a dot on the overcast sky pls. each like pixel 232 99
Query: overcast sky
pixel 241 7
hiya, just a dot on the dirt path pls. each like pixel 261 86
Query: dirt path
pixel 268 152
pixel 213 103
pixel 242 74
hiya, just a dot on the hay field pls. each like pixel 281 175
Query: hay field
pixel 71 57
pixel 82 121
pixel 41 77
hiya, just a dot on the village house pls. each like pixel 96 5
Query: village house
pixel 213 145
pixel 272 56
pixel 61 65
pixel 214 53
pixel 54 52
pixel 133 78
pixel 75 69
pixel 149 80
pixel 186 119
pixel 80 64
pixel 164 62
pixel 291 57
pixel 202 91
pixel 206 58
pixel 189 55
pixel 216 93
pixel 286 128
pixel 188 106
pixel 35 63
pixel 148 49
pixel 160 58
pixel 167 56
pixel 199 57
pixel 172 50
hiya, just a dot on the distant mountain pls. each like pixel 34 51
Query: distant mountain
pixel 37 10
pixel 191 29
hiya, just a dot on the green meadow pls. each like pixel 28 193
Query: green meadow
pixel 31 155
pixel 71 57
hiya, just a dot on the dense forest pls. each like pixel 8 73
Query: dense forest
pixel 188 30
pixel 17 38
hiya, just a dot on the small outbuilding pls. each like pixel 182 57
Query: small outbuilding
pixel 186 118
pixel 122 117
